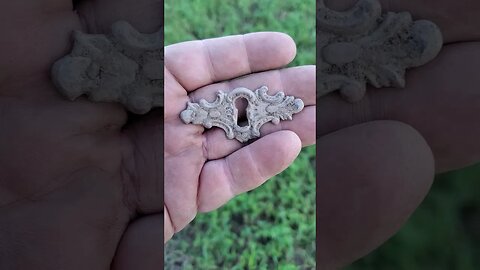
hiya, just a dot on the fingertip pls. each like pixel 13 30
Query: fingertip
pixel 281 47
pixel 290 46
pixel 282 147
pixel 294 142
pixel 386 169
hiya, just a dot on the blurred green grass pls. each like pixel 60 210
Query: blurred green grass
pixel 272 227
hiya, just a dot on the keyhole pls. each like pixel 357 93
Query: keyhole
pixel 241 105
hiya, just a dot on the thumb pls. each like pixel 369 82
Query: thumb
pixel 246 169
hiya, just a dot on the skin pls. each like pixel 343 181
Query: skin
pixel 216 169
pixel 81 183
pixel 71 193
pixel 393 142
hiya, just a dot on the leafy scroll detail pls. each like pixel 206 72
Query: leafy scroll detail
pixel 262 108
pixel 362 45
pixel 125 66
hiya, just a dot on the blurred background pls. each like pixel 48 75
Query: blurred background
pixel 272 227
pixel 444 232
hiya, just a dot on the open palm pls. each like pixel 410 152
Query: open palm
pixel 204 169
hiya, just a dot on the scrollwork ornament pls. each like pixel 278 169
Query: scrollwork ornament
pixel 362 45
pixel 262 108
pixel 125 66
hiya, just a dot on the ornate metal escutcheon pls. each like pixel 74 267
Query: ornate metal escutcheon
pixel 262 108
pixel 362 45
pixel 125 66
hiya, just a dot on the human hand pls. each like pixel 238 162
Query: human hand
pixel 71 196
pixel 378 157
pixel 204 169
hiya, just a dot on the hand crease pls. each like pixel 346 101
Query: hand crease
pixel 211 67
pixel 228 172
pixel 170 219
pixel 247 54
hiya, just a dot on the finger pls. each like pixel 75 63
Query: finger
pixel 303 124
pixel 141 245
pixel 458 20
pixel 199 63
pixel 297 81
pixel 99 15
pixel 246 169
pixel 441 101
pixel 371 178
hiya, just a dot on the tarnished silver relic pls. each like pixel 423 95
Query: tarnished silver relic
pixel 362 45
pixel 222 113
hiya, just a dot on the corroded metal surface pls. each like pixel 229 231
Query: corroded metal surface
pixel 362 45
pixel 262 108
pixel 125 66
